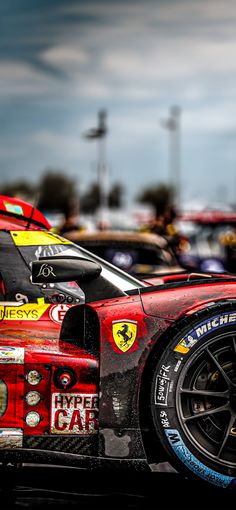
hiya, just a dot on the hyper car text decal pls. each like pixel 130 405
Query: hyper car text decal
pixel 193 463
pixel 124 333
pixel 34 238
pixel 28 312
pixel 74 413
pixel 200 330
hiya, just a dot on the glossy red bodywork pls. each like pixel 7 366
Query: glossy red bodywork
pixel 46 363
pixel 119 376
pixel 16 214
pixel 42 352
pixel 172 303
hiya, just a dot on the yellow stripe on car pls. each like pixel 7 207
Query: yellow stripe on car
pixel 28 312
pixel 34 238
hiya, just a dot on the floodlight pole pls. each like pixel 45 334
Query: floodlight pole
pixel 99 134
pixel 102 166
pixel 172 124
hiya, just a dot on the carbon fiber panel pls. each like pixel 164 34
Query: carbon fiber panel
pixel 75 445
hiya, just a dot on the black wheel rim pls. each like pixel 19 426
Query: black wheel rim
pixel 206 399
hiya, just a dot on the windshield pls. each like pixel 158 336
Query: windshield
pixel 50 244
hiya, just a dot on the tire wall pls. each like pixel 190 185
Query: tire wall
pixel 161 381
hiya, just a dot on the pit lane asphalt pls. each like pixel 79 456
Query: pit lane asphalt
pixel 74 489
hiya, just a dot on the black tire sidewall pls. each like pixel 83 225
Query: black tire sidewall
pixel 193 334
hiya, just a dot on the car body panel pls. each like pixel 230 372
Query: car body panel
pixel 20 215
pixel 121 372
pixel 171 303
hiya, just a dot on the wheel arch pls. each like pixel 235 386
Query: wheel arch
pixel 152 445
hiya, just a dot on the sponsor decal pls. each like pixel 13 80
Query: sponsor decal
pixel 46 271
pixel 193 463
pixel 164 419
pixel 185 344
pixel 11 438
pixel 74 413
pixel 162 386
pixel 124 333
pixel 58 312
pixel 11 354
pixel 28 312
pixel 200 330
pixel 13 208
pixel 35 238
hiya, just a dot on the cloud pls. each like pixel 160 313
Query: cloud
pixel 161 61
pixel 59 64
pixel 65 56
pixel 132 50
pixel 138 51
pixel 54 140
pixel 210 119
pixel 21 79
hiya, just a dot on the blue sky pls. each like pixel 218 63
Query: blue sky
pixel 61 61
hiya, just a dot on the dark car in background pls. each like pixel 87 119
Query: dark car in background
pixel 135 252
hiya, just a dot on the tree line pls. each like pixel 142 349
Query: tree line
pixel 56 192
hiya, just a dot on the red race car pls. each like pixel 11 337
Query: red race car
pixel 99 369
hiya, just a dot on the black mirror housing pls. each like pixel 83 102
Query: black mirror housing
pixel 64 269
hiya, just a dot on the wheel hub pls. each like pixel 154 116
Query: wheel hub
pixel 206 399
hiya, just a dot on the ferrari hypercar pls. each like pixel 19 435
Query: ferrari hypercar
pixel 99 370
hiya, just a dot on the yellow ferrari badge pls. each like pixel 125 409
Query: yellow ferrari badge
pixel 124 333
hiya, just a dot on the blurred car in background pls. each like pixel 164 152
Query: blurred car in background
pixel 210 241
pixel 137 253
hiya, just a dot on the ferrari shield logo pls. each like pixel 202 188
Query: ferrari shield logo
pixel 124 333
